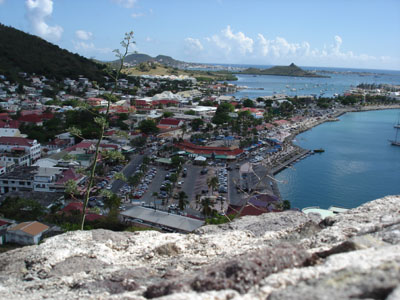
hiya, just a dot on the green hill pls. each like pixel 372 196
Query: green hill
pixel 137 58
pixel 291 70
pixel 22 52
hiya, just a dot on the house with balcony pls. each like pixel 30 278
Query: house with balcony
pixel 19 145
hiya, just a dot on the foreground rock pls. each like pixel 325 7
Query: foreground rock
pixel 286 255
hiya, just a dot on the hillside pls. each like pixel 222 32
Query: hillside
pixel 291 70
pixel 22 52
pixel 137 58
pixel 161 69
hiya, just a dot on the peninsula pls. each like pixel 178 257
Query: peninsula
pixel 291 70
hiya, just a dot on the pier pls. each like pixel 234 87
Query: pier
pixel 289 159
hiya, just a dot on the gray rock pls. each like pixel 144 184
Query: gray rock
pixel 286 255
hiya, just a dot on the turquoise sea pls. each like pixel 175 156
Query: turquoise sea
pixel 358 165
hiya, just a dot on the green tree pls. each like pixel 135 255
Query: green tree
pixel 222 114
pixel 248 103
pixel 111 201
pixel 196 124
pixel 71 189
pixel 212 183
pixel 286 205
pixel 206 204
pixel 21 209
pixel 148 127
pixel 167 114
pixel 182 200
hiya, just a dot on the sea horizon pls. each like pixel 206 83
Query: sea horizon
pixel 262 66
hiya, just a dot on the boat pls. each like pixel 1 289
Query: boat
pixel 320 150
pixel 396 141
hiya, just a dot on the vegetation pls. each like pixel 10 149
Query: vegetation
pixel 291 70
pixel 148 127
pixel 21 209
pixel 22 52
pixel 101 122
pixel 162 69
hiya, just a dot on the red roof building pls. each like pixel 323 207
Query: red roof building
pixel 229 152
pixel 171 122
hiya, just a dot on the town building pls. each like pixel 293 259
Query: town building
pixel 21 145
pixel 26 233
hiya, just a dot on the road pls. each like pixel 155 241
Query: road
pixel 128 170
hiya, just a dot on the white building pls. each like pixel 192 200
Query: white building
pixel 26 233
pixel 12 144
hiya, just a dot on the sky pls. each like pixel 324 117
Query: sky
pixel 321 33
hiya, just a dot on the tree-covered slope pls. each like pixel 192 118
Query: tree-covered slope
pixel 22 52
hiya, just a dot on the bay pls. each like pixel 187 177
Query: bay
pixel 340 81
pixel 358 165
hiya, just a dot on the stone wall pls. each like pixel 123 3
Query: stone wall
pixel 288 255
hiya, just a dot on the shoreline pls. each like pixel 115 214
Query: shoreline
pixel 300 153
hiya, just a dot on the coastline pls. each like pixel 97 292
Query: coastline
pixel 300 153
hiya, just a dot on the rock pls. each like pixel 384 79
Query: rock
pixel 288 255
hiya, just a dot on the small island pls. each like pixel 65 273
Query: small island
pixel 291 70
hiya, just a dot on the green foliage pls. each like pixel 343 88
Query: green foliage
pixel 182 200
pixel 196 124
pixel 21 209
pixel 222 114
pixel 248 103
pixel 167 114
pixel 112 201
pixel 177 161
pixel 139 141
pixel 148 127
pixel 22 52
pixel 190 112
pixel 291 70
pixel 286 205
pixel 218 219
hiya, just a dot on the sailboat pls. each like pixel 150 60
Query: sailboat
pixel 396 141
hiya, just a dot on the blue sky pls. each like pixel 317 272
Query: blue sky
pixel 340 33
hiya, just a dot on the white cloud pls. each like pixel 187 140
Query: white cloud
pixel 89 47
pixel 137 15
pixel 37 12
pixel 229 46
pixel 83 35
pixel 229 41
pixel 125 3
pixel 148 39
pixel 194 44
pixel 2 1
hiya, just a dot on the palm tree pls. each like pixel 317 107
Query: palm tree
pixel 184 129
pixel 207 204
pixel 155 196
pixel 212 183
pixel 182 200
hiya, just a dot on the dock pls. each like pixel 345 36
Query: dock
pixel 290 159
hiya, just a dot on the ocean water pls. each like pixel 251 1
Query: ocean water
pixel 327 87
pixel 358 165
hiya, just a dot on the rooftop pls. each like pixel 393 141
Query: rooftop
pixel 32 228
pixel 163 218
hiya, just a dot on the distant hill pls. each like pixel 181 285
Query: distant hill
pixel 22 52
pixel 137 58
pixel 291 70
